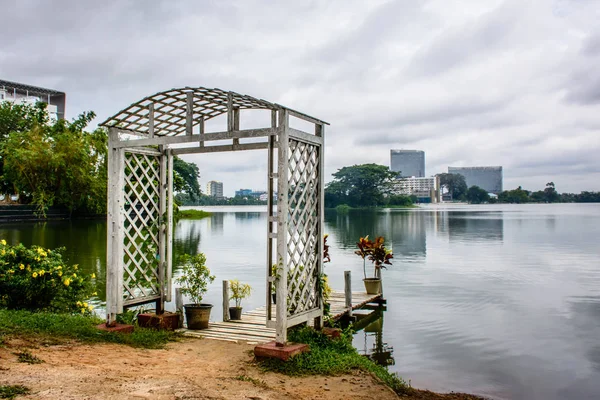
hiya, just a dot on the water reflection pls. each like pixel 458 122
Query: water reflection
pixel 465 226
pixel 215 223
pixel 187 237
pixel 369 338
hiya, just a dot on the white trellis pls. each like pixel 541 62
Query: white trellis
pixel 143 139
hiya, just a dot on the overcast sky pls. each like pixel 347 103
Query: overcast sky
pixel 511 83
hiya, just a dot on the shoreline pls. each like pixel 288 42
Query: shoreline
pixel 189 368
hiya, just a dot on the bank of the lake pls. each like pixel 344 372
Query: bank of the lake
pixel 499 300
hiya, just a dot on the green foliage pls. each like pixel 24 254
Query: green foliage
pixel 330 357
pixel 58 164
pixel 477 195
pixel 239 291
pixel 517 195
pixel 192 214
pixel 455 184
pixel 186 177
pixel 79 327
pixel 342 209
pixel 359 186
pixel 254 381
pixel 376 252
pixel 38 279
pixel 399 200
pixel 26 357
pixel 203 200
pixel 195 276
pixel 12 391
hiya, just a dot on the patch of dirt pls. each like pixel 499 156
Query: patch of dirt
pixel 189 369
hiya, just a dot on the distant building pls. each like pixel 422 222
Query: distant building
pixel 214 189
pixel 408 162
pixel 19 93
pixel 487 178
pixel 427 189
pixel 257 194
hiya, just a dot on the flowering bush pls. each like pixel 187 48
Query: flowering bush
pixel 38 279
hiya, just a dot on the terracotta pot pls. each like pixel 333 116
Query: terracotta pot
pixel 372 285
pixel 235 313
pixel 197 315
pixel 169 321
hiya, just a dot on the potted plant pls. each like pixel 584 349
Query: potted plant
pixel 376 252
pixel 239 291
pixel 195 279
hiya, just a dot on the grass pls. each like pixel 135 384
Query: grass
pixel 192 214
pixel 254 381
pixel 12 391
pixel 331 357
pixel 78 327
pixel 28 358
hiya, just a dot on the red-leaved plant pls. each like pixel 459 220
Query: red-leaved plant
pixel 376 252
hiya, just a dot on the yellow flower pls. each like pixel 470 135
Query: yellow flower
pixel 93 275
pixel 67 282
pixel 83 310
pixel 35 274
pixel 75 267
pixel 21 267
pixel 78 304
pixel 3 242
pixel 28 267
pixel 90 308
pixel 59 273
pixel 59 267
pixel 10 271
pixel 2 252
pixel 95 294
pixel 74 275
pixel 37 259
pixel 42 272
pixel 85 304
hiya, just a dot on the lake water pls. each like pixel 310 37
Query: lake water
pixel 498 300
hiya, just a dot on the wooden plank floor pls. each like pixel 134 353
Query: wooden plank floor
pixel 252 327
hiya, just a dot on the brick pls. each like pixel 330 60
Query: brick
pixel 121 328
pixel 271 350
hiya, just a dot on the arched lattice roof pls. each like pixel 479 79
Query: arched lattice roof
pixel 170 109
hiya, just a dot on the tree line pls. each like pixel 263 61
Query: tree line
pixel 60 163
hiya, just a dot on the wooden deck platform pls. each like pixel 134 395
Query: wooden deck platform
pixel 252 327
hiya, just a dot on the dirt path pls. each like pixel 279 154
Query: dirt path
pixel 190 369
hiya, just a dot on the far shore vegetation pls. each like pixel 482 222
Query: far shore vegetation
pixel 192 214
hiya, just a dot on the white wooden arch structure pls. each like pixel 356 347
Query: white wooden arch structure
pixel 144 137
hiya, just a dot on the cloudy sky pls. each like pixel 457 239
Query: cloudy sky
pixel 511 83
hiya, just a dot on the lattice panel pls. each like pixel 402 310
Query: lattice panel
pixel 170 109
pixel 142 212
pixel 303 227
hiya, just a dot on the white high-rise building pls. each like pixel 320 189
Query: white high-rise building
pixel 214 189
pixel 428 187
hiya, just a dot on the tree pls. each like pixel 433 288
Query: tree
pixel 550 193
pixel 185 178
pixel 359 185
pixel 517 195
pixel 59 164
pixel 477 195
pixel 455 184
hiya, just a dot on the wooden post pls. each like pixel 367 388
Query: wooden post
pixel 179 305
pixel 170 199
pixel 151 120
pixel 225 301
pixel 270 238
pixel 282 226
pixel 348 291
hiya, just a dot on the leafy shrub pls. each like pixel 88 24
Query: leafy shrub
pixel 36 278
pixel 195 276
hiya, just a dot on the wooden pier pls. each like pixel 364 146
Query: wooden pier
pixel 252 327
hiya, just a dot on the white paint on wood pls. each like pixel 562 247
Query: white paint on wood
pixel 225 300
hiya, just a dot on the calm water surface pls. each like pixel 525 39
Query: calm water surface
pixel 502 301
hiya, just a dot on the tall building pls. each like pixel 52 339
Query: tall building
pixel 487 178
pixel 214 189
pixel 425 189
pixel 19 93
pixel 408 162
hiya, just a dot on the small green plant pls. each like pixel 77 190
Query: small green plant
pixel 36 278
pixel 12 391
pixel 26 357
pixel 239 291
pixel 376 252
pixel 342 209
pixel 254 381
pixel 195 276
